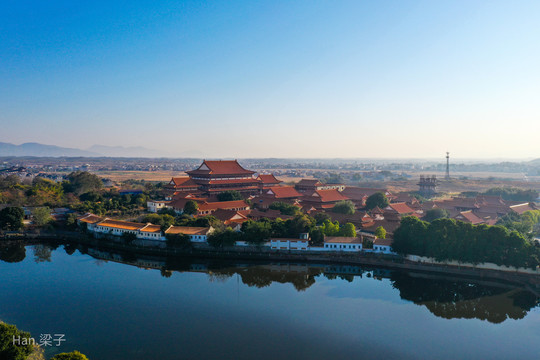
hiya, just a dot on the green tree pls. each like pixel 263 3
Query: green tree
pixel 348 230
pixel 168 211
pixel 11 218
pixel 317 237
pixel 191 207
pixel 330 228
pixel 256 231
pixel 223 238
pixel 514 194
pixel 344 207
pixel 74 355
pixel 229 195
pixel 380 233
pixel 284 208
pixel 377 199
pixel 434 214
pixel 321 217
pixel 42 216
pixel 10 351
pixel 80 182
pixel 12 254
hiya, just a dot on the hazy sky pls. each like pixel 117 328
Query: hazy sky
pixel 274 78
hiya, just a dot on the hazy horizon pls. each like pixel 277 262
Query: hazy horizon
pixel 365 80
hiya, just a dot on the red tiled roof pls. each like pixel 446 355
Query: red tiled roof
pixel 230 181
pixel 228 216
pixel 470 217
pixel 188 230
pixel 180 203
pixel 120 224
pixel 309 182
pixel 223 205
pixel 90 218
pixel 342 240
pixel 358 193
pixel 401 208
pixel 383 242
pixel 183 182
pixel 269 179
pixel 284 192
pixel 237 188
pixel 329 195
pixel 521 208
pixel 388 225
pixel 220 167
pixel 151 228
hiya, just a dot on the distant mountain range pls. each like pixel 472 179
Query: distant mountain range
pixel 36 149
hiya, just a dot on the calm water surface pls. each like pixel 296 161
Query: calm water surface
pixel 110 309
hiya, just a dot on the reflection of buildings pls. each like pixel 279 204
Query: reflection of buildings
pixel 443 296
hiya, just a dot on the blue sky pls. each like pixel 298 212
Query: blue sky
pixel 274 79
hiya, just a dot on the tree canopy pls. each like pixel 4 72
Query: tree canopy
pixel 514 194
pixel 344 207
pixel 434 214
pixel 11 218
pixel 377 199
pixel 191 207
pixel 380 233
pixel 229 195
pixel 284 208
pixel 74 355
pixel 42 216
pixel 10 351
pixel 80 182
pixel 448 239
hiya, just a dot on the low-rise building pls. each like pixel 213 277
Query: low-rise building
pixel 90 220
pixel 155 206
pixel 196 234
pixel 342 243
pixel 383 246
pixel 290 243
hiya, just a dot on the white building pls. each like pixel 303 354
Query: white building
pixel 196 234
pixel 151 232
pixel 383 246
pixel 342 243
pixel 118 227
pixel 90 220
pixel 290 244
pixel 155 205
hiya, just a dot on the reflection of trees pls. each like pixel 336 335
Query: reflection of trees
pixel 42 253
pixel 166 273
pixel 12 254
pixel 263 275
pixel 450 299
pixel 70 249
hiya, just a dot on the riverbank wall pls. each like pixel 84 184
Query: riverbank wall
pixel 254 253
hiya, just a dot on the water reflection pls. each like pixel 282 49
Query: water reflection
pixel 443 296
pixel 451 299
pixel 13 253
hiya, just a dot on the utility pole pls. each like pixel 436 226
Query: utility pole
pixel 447 177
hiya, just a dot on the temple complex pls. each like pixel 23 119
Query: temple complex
pixel 216 176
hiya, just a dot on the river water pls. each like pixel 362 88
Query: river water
pixel 120 306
